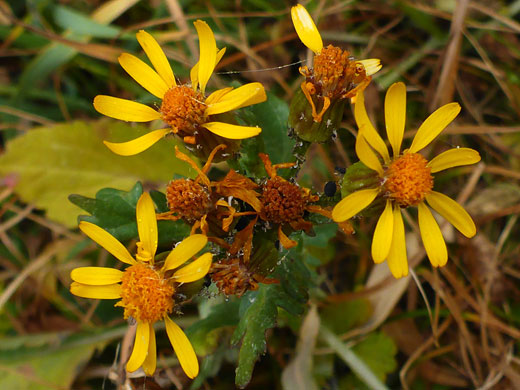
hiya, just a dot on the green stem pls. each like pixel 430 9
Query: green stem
pixel 358 366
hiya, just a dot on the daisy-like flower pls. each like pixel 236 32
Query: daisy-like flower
pixel 146 291
pixel 406 180
pixel 335 74
pixel 186 109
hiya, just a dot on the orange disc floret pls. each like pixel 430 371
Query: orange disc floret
pixel 330 65
pixel 408 179
pixel 282 201
pixel 183 109
pixel 188 199
pixel 145 295
pixel 336 72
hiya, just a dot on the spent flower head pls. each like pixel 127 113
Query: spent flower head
pixel 406 180
pixel 146 290
pixel 184 108
pixel 284 203
pixel 195 201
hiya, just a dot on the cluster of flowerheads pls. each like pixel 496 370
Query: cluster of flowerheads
pixel 232 212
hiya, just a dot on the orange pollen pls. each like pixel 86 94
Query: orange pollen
pixel 188 199
pixel 282 201
pixel 408 179
pixel 183 109
pixel 335 72
pixel 145 295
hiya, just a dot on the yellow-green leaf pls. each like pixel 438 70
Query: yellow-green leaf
pixel 52 162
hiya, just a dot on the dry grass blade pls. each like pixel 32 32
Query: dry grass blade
pixel 450 61
pixel 46 256
pixel 181 21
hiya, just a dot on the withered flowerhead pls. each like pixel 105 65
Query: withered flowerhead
pixel 334 77
pixel 201 202
pixel 237 274
pixel 285 203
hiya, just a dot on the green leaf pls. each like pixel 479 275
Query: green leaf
pixel 343 316
pixel 358 366
pixel 259 314
pixel 204 334
pixel 50 163
pixel 315 250
pixel 56 54
pixel 295 281
pixel 378 351
pixel 248 162
pixel 272 116
pixel 48 361
pixel 114 211
pixel 81 24
pixel 259 311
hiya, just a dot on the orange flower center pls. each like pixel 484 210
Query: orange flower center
pixel 335 72
pixel 183 109
pixel 145 295
pixel 188 199
pixel 408 179
pixel 282 201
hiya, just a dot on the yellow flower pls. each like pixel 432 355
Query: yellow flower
pixel 406 180
pixel 335 74
pixel 146 291
pixel 184 108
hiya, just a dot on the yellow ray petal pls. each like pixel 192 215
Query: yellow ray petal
pixel 109 291
pixel 306 29
pixel 372 136
pixel 432 237
pixel 382 240
pixel 183 348
pixel 125 110
pixel 353 204
pixel 137 145
pixel 143 74
pixel 395 115
pixel 184 251
pixel 244 96
pixel 366 154
pixel 157 57
pixel 150 362
pixel 371 65
pixel 230 131
pixel 96 276
pixel 453 212
pixel 433 125
pixel 107 241
pixel 142 340
pixel 195 270
pixel 217 95
pixel 208 53
pixel 194 72
pixel 454 158
pixel 397 259
pixel 147 224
